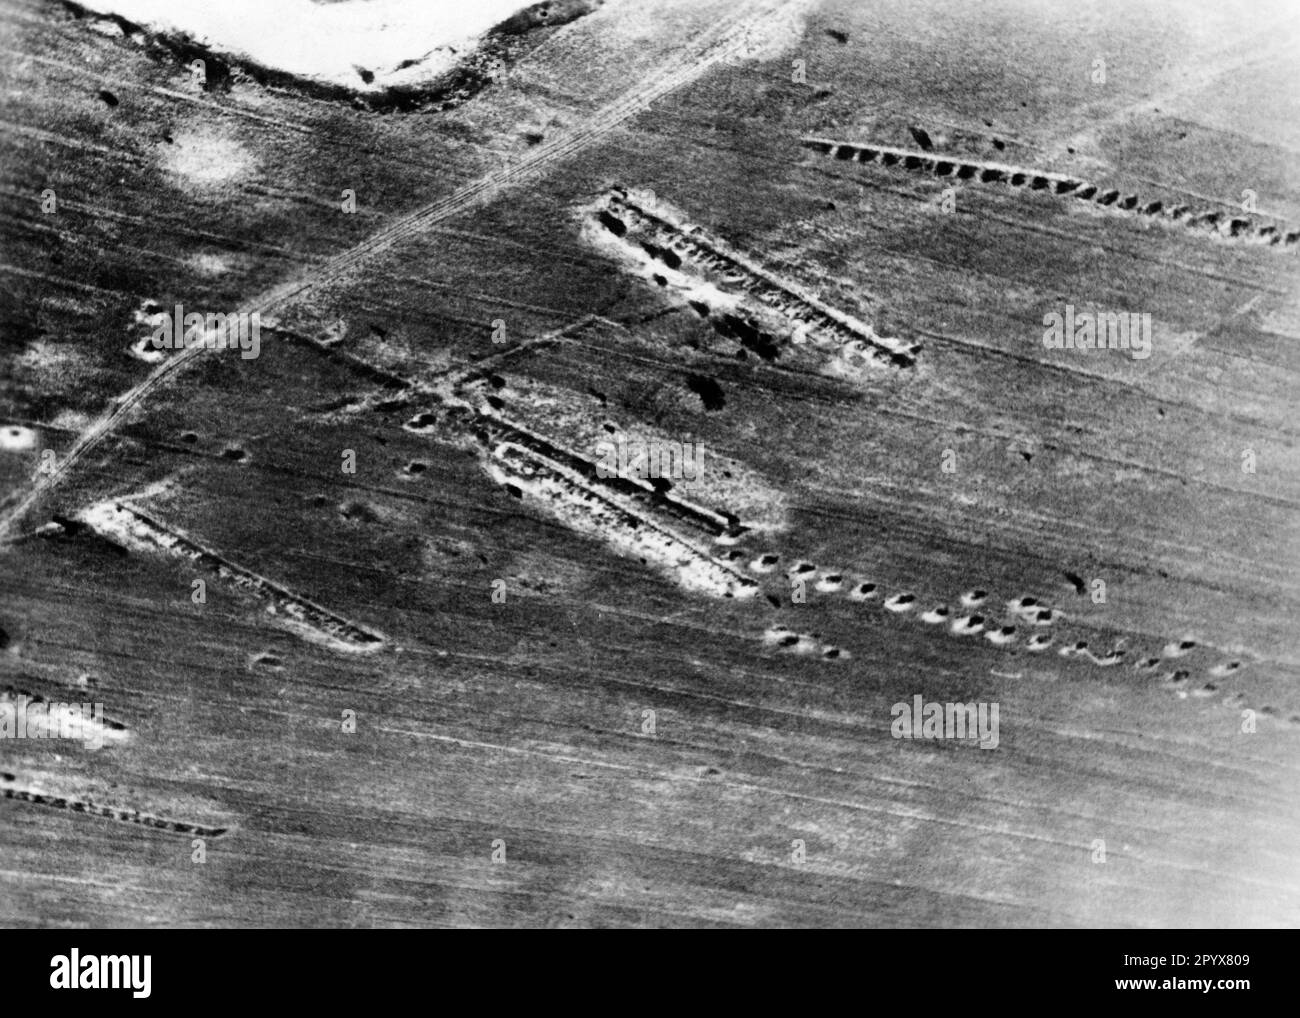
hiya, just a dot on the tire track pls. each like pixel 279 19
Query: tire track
pixel 727 40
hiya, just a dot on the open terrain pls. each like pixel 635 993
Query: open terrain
pixel 446 671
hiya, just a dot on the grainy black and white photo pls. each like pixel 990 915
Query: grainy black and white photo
pixel 649 463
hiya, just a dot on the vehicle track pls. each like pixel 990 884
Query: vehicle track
pixel 726 40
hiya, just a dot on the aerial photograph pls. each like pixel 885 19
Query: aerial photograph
pixel 649 464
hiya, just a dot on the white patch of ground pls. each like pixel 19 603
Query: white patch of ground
pixel 331 43
pixel 71 420
pixel 568 498
pixel 578 422
pixel 144 350
pixel 60 719
pixel 45 355
pixel 14 438
pixel 206 157
pixel 209 264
